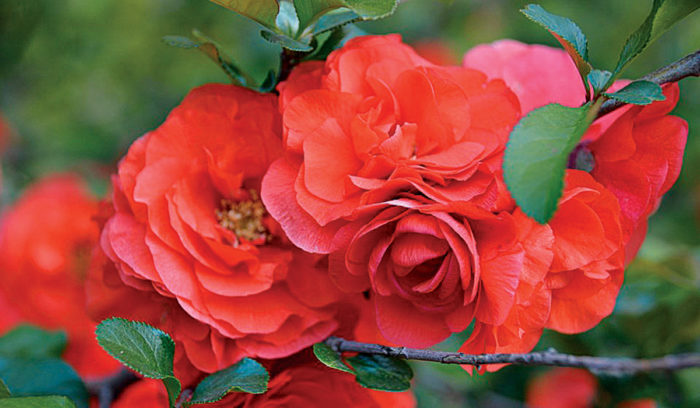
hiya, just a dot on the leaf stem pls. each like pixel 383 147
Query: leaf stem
pixel 615 366
pixel 674 72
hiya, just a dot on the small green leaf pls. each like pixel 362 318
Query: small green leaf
pixel 598 80
pixel 179 42
pixel 566 32
pixel 372 9
pixel 382 372
pixel 331 358
pixel 663 14
pixel 263 11
pixel 287 21
pixel 286 42
pixel 537 153
pixel 214 51
pixel 141 347
pixel 211 49
pixel 309 11
pixel 27 341
pixel 36 377
pixel 638 93
pixel 335 19
pixel 52 401
pixel 245 376
pixel 4 391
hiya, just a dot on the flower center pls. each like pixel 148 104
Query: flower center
pixel 244 218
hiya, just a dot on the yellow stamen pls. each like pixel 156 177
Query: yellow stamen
pixel 244 218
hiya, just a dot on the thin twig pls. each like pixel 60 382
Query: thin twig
pixel 545 358
pixel 674 72
pixel 107 389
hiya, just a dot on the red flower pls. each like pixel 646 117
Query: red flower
pixel 432 268
pixel 392 164
pixel 376 120
pixel 571 388
pixel 188 229
pixel 144 393
pixel 45 241
pixel 573 275
pixel 638 150
pixel 562 388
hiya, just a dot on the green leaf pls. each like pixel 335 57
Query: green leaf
pixel 638 93
pixel 179 42
pixel 245 376
pixel 566 32
pixel 598 80
pixel 311 10
pixel 49 376
pixel 263 11
pixel 537 153
pixel 287 21
pixel 53 401
pixel 286 42
pixel 382 372
pixel 335 19
pixel 663 14
pixel 141 347
pixel 4 391
pixel 325 354
pixel 211 49
pixel 25 341
pixel 214 51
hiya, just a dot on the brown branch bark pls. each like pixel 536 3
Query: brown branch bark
pixel 616 366
pixel 674 72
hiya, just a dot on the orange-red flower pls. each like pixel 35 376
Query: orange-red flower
pixel 189 229
pixel 375 120
pixel 392 164
pixel 571 388
pixel 45 242
pixel 562 388
pixel 577 260
pixel 637 150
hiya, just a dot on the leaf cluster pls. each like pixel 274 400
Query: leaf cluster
pixel 307 29
pixel 540 145
pixel 150 352
pixel 32 373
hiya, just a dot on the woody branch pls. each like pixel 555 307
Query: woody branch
pixel 674 72
pixel 606 365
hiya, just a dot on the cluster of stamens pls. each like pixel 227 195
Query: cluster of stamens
pixel 244 218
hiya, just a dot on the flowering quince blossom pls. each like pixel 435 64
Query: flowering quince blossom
pixel 637 150
pixel 571 388
pixel 392 166
pixel 45 243
pixel 189 247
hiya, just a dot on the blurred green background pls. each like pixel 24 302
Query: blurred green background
pixel 81 79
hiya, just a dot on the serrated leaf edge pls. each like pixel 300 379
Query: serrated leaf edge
pixel 233 388
pixel 172 342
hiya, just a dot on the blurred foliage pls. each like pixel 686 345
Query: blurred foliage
pixel 81 79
